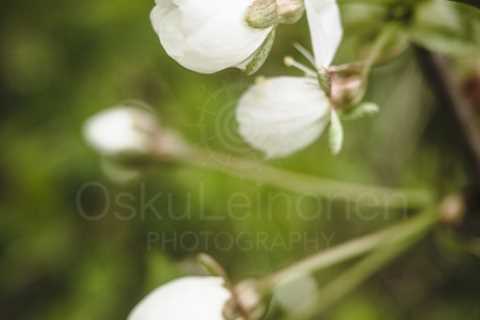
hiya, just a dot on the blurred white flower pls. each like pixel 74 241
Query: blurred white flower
pixel 282 115
pixel 207 36
pixel 199 298
pixel 297 297
pixel 121 130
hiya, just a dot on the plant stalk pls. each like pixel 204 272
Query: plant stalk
pixel 367 196
pixel 352 249
pixel 394 246
pixel 374 57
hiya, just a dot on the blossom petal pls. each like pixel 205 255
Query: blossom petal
pixel 336 133
pixel 282 115
pixel 200 298
pixel 325 29
pixel 206 36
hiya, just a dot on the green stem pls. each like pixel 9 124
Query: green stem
pixel 396 244
pixel 350 250
pixel 374 57
pixel 367 196
pixel 378 48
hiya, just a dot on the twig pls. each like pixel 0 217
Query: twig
pixel 474 3
pixel 447 92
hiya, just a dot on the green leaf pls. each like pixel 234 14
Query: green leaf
pixel 444 43
pixel 438 14
pixel 440 26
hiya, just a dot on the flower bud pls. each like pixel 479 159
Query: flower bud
pixel 266 13
pixel 130 134
pixel 297 297
pixel 290 11
pixel 452 210
pixel 262 14
pixel 347 88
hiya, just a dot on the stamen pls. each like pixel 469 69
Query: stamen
pixel 305 53
pixel 290 62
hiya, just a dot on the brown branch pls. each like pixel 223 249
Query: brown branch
pixel 474 3
pixel 449 94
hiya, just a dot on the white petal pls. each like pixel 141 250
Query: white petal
pixel 336 133
pixel 282 115
pixel 120 130
pixel 199 298
pixel 325 29
pixel 206 36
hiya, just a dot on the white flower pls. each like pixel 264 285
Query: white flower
pixel 199 298
pixel 282 115
pixel 207 36
pixel 121 130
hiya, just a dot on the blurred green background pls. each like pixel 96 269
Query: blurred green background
pixel 71 249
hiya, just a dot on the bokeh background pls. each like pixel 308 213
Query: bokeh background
pixel 71 247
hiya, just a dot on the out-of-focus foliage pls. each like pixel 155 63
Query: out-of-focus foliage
pixel 75 245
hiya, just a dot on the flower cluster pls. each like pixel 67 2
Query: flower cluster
pixel 277 116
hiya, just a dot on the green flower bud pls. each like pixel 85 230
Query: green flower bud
pixel 262 14
pixel 267 13
pixel 290 11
